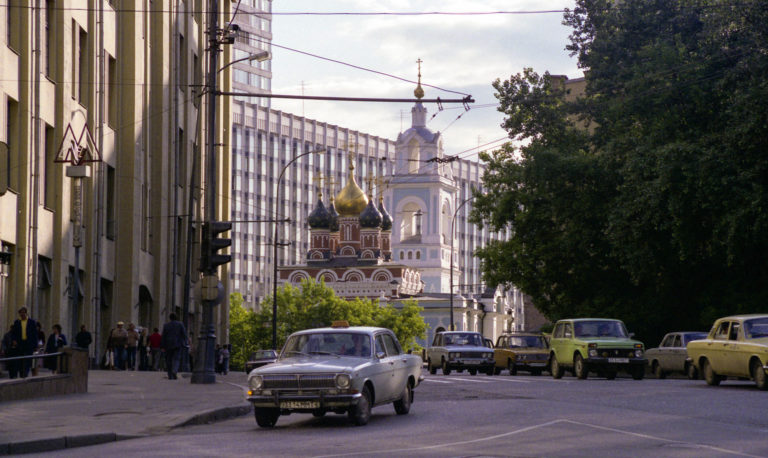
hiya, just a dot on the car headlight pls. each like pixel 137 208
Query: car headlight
pixel 593 352
pixel 638 353
pixel 256 382
pixel 343 381
pixel 453 355
pixel 489 355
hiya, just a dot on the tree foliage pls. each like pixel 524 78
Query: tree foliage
pixel 645 198
pixel 314 305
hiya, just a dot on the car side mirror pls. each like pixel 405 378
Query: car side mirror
pixel 631 335
pixel 381 355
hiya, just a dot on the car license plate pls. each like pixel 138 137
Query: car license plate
pixel 299 404
pixel 618 360
pixel 537 364
pixel 471 362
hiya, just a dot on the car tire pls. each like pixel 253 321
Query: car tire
pixel 658 371
pixel 610 374
pixel 496 371
pixel 758 375
pixel 266 417
pixel 709 374
pixel 446 370
pixel 472 371
pixel 361 413
pixel 512 368
pixel 580 367
pixel 692 372
pixel 637 372
pixel 557 370
pixel 491 371
pixel 432 369
pixel 403 405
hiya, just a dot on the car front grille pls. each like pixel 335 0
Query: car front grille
pixel 299 382
pixel 470 354
pixel 533 357
pixel 616 352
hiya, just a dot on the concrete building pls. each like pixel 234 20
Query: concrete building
pixel 128 74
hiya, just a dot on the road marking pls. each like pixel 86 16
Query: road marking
pixel 541 425
pixel 436 381
pixel 468 380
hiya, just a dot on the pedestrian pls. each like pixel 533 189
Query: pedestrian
pixel 118 339
pixel 25 337
pixel 154 348
pixel 174 337
pixel 131 344
pixel 83 338
pixel 7 350
pixel 225 352
pixel 56 341
pixel 143 364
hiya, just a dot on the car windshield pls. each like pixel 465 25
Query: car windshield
pixel 601 328
pixel 756 328
pixel 263 354
pixel 693 336
pixel 328 343
pixel 463 338
pixel 527 342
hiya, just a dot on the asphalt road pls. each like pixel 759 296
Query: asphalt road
pixel 463 415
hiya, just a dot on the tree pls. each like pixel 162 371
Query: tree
pixel 656 212
pixel 314 305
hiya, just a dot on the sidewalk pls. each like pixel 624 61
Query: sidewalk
pixel 118 405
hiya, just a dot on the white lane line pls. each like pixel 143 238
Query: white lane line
pixel 541 425
pixel 436 381
pixel 468 380
pixel 511 379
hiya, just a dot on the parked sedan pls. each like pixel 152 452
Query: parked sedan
pixel 459 350
pixel 521 351
pixel 339 369
pixel 670 356
pixel 737 346
pixel 260 358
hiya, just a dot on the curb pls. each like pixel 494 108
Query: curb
pixel 83 440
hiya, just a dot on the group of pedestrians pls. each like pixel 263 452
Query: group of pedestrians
pixel 26 338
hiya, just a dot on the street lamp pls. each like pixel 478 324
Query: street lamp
pixel 275 244
pixel 259 57
pixel 453 223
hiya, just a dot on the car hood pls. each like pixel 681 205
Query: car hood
pixel 458 348
pixel 529 351
pixel 615 342
pixel 313 364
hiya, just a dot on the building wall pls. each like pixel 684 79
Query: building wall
pixel 132 77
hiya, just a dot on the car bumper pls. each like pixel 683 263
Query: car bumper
pixel 293 401
pixel 481 365
pixel 621 362
pixel 531 365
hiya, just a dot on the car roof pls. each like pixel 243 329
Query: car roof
pixel 744 317
pixel 354 329
pixel 458 332
pixel 590 319
pixel 522 334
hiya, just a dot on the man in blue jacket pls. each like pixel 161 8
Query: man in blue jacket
pixel 174 338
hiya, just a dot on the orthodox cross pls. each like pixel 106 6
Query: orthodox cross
pixel 318 179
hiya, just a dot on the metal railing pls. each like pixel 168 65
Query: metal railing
pixel 62 365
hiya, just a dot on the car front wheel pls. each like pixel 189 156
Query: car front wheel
pixel 432 369
pixel 658 371
pixel 579 367
pixel 446 370
pixel 361 413
pixel 557 370
pixel 709 374
pixel 403 405
pixel 637 372
pixel 758 375
pixel 512 368
pixel 692 372
pixel 266 417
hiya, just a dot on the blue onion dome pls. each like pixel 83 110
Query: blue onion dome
pixel 370 217
pixel 386 219
pixel 319 218
pixel 334 226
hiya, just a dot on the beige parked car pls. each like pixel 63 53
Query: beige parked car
pixel 737 346
pixel 523 351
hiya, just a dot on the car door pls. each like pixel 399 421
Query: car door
pixel 735 357
pixel 499 354
pixel 557 340
pixel 676 354
pixel 383 374
pixel 399 363
pixel 716 348
pixel 662 353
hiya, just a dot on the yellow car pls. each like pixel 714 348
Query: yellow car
pixel 737 346
pixel 521 351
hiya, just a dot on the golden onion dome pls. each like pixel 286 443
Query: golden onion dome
pixel 351 200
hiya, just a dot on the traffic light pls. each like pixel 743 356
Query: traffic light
pixel 210 259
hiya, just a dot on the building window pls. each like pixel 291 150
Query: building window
pixel 82 69
pixel 110 204
pixel 47 167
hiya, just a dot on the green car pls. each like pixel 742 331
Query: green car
pixel 598 345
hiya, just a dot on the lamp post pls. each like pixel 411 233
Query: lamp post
pixel 275 244
pixel 204 370
pixel 453 224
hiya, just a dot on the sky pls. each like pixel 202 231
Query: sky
pixel 462 53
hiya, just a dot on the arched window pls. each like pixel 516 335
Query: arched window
pixel 401 255
pixel 413 156
pixel 410 255
pixel 418 255
pixel 410 223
